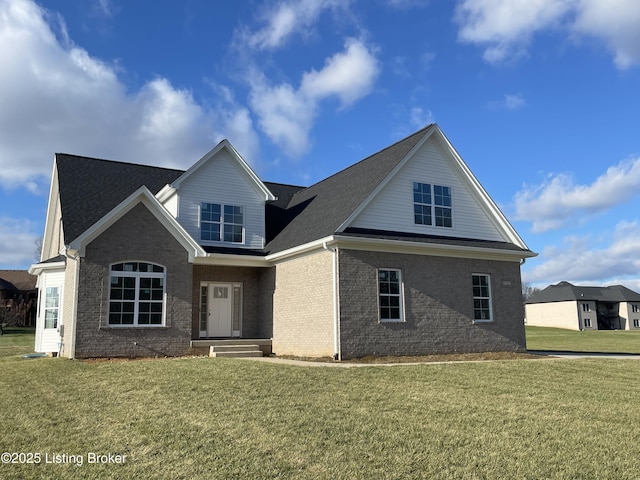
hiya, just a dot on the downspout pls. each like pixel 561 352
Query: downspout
pixel 336 311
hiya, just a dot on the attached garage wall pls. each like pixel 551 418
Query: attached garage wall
pixel 438 305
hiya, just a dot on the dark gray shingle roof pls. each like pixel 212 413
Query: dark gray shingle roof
pixel 565 291
pixel 317 211
pixel 91 187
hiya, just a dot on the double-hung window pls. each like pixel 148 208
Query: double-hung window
pixel 390 295
pixel 432 205
pixel 221 223
pixel 136 294
pixel 482 311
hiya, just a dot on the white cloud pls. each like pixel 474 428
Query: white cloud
pixel 17 242
pixel 506 27
pixel 349 75
pixel 616 22
pixel 286 114
pixel 287 19
pixel 56 97
pixel 510 101
pixel 550 205
pixel 583 260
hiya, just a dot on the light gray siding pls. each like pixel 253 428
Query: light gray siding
pixel 392 208
pixel 222 180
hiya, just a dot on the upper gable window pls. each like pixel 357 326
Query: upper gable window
pixel 432 205
pixel 221 223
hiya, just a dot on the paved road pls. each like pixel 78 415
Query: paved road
pixel 569 355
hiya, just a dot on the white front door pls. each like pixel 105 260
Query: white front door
pixel 220 310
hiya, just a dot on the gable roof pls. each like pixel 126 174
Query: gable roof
pixel 244 167
pixel 18 279
pixel 90 188
pixel 319 210
pixel 565 291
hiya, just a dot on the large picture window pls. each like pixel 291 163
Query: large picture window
pixel 390 295
pixel 136 294
pixel 432 205
pixel 221 223
pixel 482 298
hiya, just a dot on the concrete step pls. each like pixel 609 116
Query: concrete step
pixel 238 354
pixel 235 351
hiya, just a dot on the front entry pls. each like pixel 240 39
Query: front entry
pixel 221 310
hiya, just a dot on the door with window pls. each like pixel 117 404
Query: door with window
pixel 221 310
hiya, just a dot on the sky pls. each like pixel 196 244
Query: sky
pixel 539 97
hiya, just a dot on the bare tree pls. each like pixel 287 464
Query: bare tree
pixel 528 291
pixel 37 250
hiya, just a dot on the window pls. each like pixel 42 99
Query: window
pixel 585 307
pixel 635 308
pixel 51 307
pixel 390 295
pixel 481 298
pixel 136 294
pixel 210 222
pixel 428 210
pixel 218 222
pixel 636 323
pixel 587 323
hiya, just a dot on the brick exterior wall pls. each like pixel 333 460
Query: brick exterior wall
pixel 303 306
pixel 137 236
pixel 438 305
pixel 257 289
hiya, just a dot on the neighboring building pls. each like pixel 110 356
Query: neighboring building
pixel 18 296
pixel 403 253
pixel 578 308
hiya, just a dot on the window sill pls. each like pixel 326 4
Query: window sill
pixel 482 321
pixel 391 321
pixel 132 327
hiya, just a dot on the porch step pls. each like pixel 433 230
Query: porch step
pixel 235 351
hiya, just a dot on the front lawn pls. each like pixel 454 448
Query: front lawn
pixel 560 339
pixel 195 418
pixel 16 340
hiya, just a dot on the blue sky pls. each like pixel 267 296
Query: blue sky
pixel 540 99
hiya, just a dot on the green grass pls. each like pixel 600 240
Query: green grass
pixel 608 341
pixel 16 340
pixel 198 418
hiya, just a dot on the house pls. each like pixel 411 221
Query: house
pixel 584 308
pixel 402 253
pixel 17 298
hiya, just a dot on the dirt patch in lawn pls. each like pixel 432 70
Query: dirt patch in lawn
pixel 449 357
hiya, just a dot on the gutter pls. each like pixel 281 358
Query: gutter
pixel 336 312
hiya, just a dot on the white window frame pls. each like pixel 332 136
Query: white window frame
pixel 489 298
pixel 586 307
pixel 222 223
pixel 635 308
pixel 636 323
pixel 389 295
pixel 53 309
pixel 136 301
pixel 587 323
pixel 431 205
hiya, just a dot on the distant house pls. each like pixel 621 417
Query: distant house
pixel 18 294
pixel 402 253
pixel 578 308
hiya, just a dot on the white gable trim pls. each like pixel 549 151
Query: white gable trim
pixel 144 196
pixel 166 192
pixel 485 201
pixel 54 198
